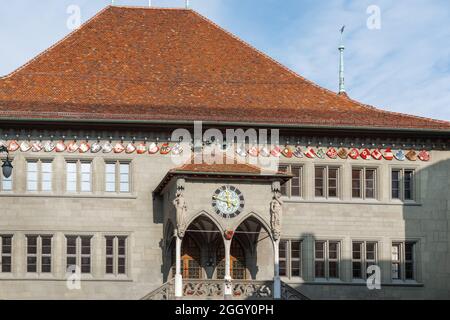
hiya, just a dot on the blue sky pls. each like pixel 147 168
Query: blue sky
pixel 404 66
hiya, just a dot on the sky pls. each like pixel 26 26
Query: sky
pixel 397 53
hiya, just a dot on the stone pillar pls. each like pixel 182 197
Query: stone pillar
pixel 228 286
pixel 178 275
pixel 276 270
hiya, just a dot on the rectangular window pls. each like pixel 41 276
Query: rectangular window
pixel 403 260
pixel 117 177
pixel 78 252
pixel 39 253
pixel 326 182
pixel 32 176
pixel 116 254
pixel 39 175
pixel 290 258
pixel 327 259
pixel 46 176
pixel 402 184
pixel 364 254
pixel 79 176
pixel 363 183
pixel 292 188
pixel 5 253
pixel 5 183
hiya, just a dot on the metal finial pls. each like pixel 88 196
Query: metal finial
pixel 341 64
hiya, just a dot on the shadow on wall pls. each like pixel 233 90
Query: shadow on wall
pixel 425 241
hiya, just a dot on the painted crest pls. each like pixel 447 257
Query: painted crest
pixel 165 148
pixel 365 154
pixel 177 149
pixel 141 148
pixel 424 155
pixel 400 155
pixel 253 151
pixel 264 152
pixel 240 151
pixel 276 151
pixel 49 146
pixel 96 147
pixel 153 148
pixel 332 153
pixel 25 146
pixel 387 154
pixel 411 155
pixel 343 153
pixel 376 154
pixel 118 148
pixel 84 147
pixel 13 146
pixel 130 148
pixel 287 152
pixel 310 152
pixel 298 153
pixel 60 146
pixel 354 154
pixel 320 153
pixel 107 147
pixel 37 146
pixel 73 146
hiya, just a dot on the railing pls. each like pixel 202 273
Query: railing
pixel 164 292
pixel 214 289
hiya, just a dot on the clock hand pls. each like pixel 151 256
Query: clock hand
pixel 220 199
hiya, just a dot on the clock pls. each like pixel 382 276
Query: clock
pixel 228 201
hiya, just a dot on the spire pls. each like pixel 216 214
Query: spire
pixel 341 64
pixel 187 4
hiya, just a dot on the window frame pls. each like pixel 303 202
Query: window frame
pixel 117 175
pixel 326 260
pixel 79 175
pixel 402 261
pixel 39 174
pixel 79 255
pixel 116 255
pixel 289 258
pixel 363 183
pixel 364 260
pixel 402 182
pixel 288 184
pixel 3 255
pixel 39 255
pixel 326 181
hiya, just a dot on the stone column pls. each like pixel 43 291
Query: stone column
pixel 276 270
pixel 228 286
pixel 178 275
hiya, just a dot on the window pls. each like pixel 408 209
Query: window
pixel 326 259
pixel 117 177
pixel 403 260
pixel 292 188
pixel 402 184
pixel 290 258
pixel 39 175
pixel 5 183
pixel 78 252
pixel 364 254
pixel 5 253
pixel 79 176
pixel 326 182
pixel 116 254
pixel 39 253
pixel 364 183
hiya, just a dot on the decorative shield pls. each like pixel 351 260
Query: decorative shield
pixel 37 146
pixel 130 148
pixel 310 152
pixel 320 153
pixel 264 152
pixel 298 153
pixel 73 146
pixel 177 149
pixel 354 154
pixel 25 146
pixel 365 154
pixel 424 155
pixel 376 154
pixel 153 148
pixel 13 146
pixel 49 146
pixel 141 148
pixel 107 147
pixel 253 151
pixel 276 151
pixel 343 153
pixel 118 148
pixel 240 151
pixel 411 155
pixel 165 148
pixel 84 147
pixel 96 147
pixel 332 153
pixel 61 146
pixel 287 152
pixel 388 155
pixel 400 155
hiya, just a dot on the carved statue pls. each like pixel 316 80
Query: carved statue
pixel 181 209
pixel 276 211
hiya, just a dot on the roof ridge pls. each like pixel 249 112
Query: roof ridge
pixel 56 44
pixel 150 8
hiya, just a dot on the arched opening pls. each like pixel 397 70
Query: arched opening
pixel 190 259
pixel 238 266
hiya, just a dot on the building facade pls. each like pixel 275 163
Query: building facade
pixel 105 200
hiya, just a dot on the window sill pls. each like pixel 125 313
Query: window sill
pixel 70 195
pixel 360 202
pixel 361 283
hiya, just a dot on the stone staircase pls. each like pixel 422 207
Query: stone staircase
pixel 207 289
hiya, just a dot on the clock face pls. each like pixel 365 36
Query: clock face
pixel 228 201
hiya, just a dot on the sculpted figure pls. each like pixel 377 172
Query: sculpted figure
pixel 276 211
pixel 181 209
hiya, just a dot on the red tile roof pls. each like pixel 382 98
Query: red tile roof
pixel 175 65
